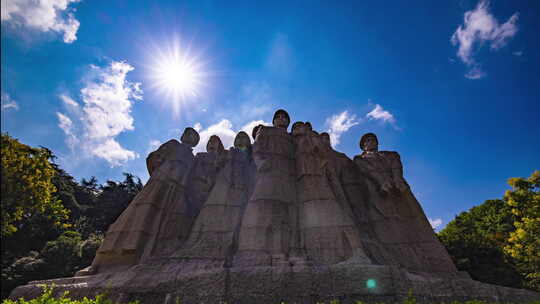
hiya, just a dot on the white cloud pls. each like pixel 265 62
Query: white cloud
pixel 107 103
pixel 111 151
pixel 107 99
pixel 43 15
pixel 66 124
pixel 475 73
pixel 68 101
pixel 339 124
pixel 480 27
pixel 435 223
pixel 223 129
pixel 153 145
pixel 378 113
pixel 7 102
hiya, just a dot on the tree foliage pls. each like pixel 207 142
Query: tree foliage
pixel 499 241
pixel 112 199
pixel 26 186
pixel 41 243
pixel 524 242
pixel 474 240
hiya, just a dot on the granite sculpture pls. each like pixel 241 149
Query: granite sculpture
pixel 283 219
pixel 141 227
pixel 416 248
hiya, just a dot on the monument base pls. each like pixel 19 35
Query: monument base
pixel 167 281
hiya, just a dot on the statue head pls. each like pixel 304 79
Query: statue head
pixel 281 119
pixel 310 128
pixel 325 137
pixel 214 144
pixel 369 143
pixel 255 130
pixel 190 137
pixel 298 128
pixel 242 141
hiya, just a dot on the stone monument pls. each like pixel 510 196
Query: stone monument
pixel 284 219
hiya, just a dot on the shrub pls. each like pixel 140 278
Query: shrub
pixel 48 298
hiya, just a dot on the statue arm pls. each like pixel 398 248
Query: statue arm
pixel 397 172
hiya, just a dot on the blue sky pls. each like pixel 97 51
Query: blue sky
pixel 453 86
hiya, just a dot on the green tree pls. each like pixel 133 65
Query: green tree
pixel 111 201
pixel 39 241
pixel 26 186
pixel 524 242
pixel 475 238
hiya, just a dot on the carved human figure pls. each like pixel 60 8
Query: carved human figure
pixel 215 232
pixel 242 142
pixel 384 166
pixel 178 221
pixel 134 233
pixel 202 175
pixel 265 232
pixel 328 231
pixel 399 221
pixel 351 190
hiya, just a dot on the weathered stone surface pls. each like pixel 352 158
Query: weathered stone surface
pixel 134 234
pixel 215 232
pixel 397 220
pixel 287 219
pixel 266 229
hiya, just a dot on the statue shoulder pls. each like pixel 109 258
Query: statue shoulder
pixel 342 155
pixel 362 157
pixel 171 144
pixel 173 149
pixel 392 158
pixel 390 155
pixel 358 158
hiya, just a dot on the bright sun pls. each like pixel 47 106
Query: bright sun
pixel 177 74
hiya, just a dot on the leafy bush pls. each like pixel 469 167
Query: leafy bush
pixel 48 298
pixel 497 242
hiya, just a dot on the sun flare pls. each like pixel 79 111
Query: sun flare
pixel 177 74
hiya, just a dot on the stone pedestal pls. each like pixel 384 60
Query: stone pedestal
pixel 164 281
